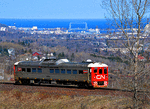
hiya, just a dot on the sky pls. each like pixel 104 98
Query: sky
pixel 51 9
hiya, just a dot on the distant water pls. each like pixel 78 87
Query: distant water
pixel 62 23
pixel 54 23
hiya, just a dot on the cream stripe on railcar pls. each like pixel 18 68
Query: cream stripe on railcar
pixel 97 65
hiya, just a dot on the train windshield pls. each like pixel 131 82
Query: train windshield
pixel 105 70
pixel 100 71
pixel 95 70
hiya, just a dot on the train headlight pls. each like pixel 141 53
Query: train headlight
pixel 105 83
pixel 95 82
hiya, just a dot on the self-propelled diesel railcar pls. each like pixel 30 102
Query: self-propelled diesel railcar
pixel 62 71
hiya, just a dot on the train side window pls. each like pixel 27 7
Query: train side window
pixel 68 71
pixel 74 71
pixel 28 69
pixel 23 70
pixel 33 69
pixel 105 70
pixel 63 71
pixel 100 71
pixel 51 70
pixel 39 70
pixel 95 70
pixel 56 70
pixel 80 71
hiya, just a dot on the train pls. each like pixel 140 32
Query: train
pixel 61 71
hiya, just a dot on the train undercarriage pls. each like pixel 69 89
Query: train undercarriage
pixel 55 82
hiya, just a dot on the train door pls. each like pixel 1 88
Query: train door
pixel 89 74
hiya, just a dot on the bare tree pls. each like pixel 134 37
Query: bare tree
pixel 127 16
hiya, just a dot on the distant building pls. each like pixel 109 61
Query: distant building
pixel 2 28
pixel 13 27
pixel 11 51
pixel 37 54
pixel 141 58
pixel 34 28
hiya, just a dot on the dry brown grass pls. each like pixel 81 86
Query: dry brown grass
pixel 20 100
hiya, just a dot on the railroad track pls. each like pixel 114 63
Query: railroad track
pixel 63 90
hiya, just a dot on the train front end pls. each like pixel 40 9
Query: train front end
pixel 98 74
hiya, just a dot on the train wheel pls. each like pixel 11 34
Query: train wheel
pixel 39 83
pixel 17 82
pixel 86 85
pixel 26 82
pixel 81 85
pixel 90 87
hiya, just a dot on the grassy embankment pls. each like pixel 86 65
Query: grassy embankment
pixel 15 99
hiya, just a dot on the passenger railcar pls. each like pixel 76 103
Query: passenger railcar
pixel 61 71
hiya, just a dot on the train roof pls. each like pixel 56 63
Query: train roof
pixel 61 62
